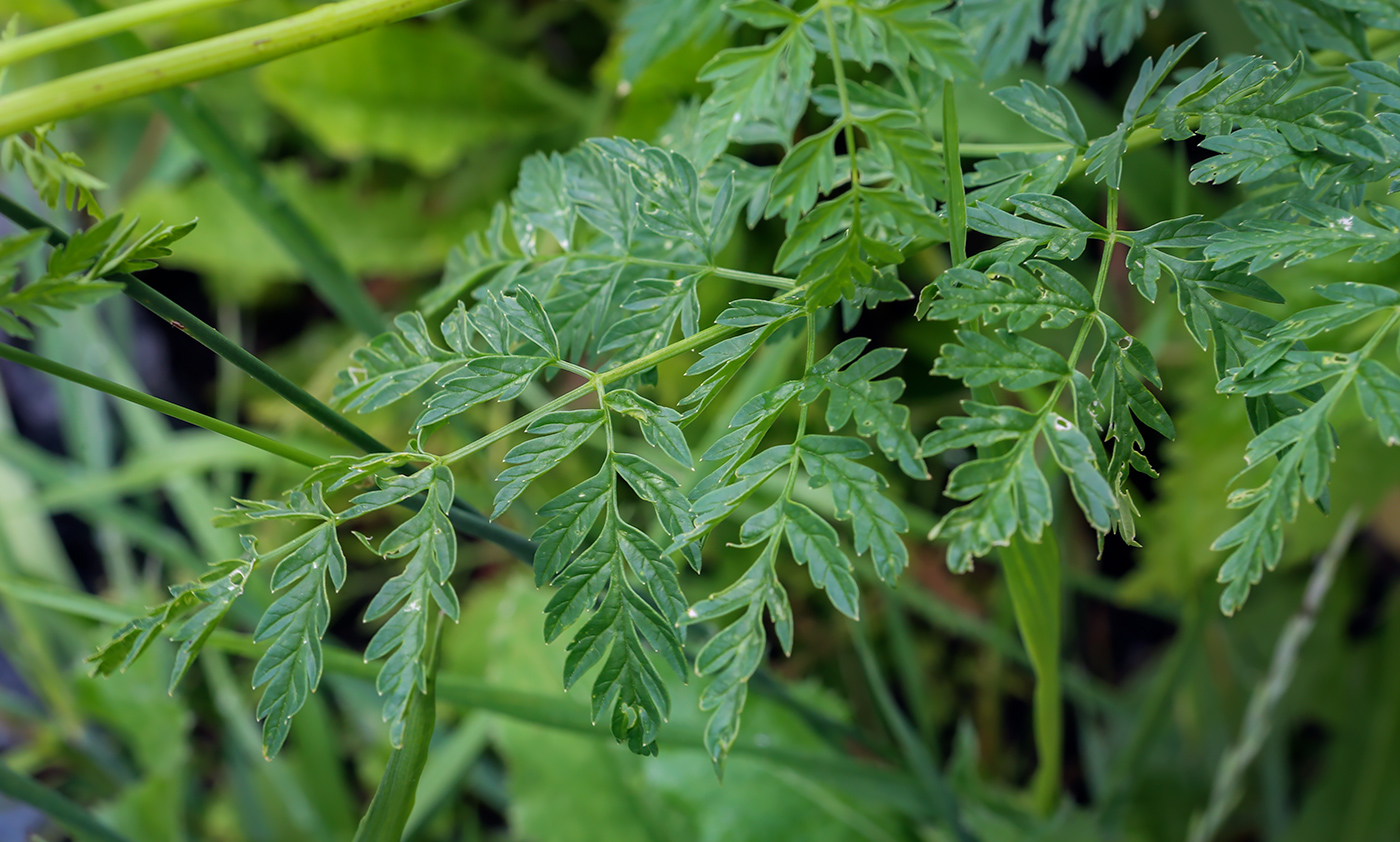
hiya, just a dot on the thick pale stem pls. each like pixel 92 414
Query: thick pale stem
pixel 92 89
pixel 83 30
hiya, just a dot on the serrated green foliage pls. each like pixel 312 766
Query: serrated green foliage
pixel 854 393
pixel 1080 25
pixel 295 623
pixel 429 543
pixel 209 598
pixel 1303 443
pixel 73 275
pixel 1322 231
pixel 759 92
pixel 58 176
pixel 857 490
pixel 600 260
pixel 1001 31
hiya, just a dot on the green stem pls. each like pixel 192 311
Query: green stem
pixel 1226 791
pixel 206 335
pixel 1100 281
pixel 91 89
pixel 465 518
pixel 75 32
pixel 772 281
pixel 393 801
pixel 241 175
pixel 72 817
pixel 838 68
pixel 952 164
pixel 699 339
pixel 116 390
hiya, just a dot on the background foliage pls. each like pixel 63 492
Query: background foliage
pixel 603 183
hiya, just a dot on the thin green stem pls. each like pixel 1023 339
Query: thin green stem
pixel 843 95
pixel 952 164
pixel 772 281
pixel 1100 281
pixel 1259 715
pixel 699 339
pixel 993 150
pixel 465 518
pixel 72 817
pixel 802 417
pixel 75 32
pixel 241 175
pixel 92 89
pixel 189 416
pixel 206 335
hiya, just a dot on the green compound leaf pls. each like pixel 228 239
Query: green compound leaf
pixel 392 365
pixel 1379 390
pixel 814 543
pixel 1005 358
pixel 624 628
pixel 759 93
pixel 897 33
pixel 556 436
pixel 900 141
pixel 1009 495
pixel 428 539
pixel 659 423
pixel 58 176
pixel 210 598
pixel 857 492
pixel 1046 110
pixel 295 623
pixel 1033 294
pixel 72 277
pixel 1260 244
pixel 853 392
pixel 1075 456
pixel 1354 303
pixel 490 377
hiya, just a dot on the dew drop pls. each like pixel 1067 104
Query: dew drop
pixel 692 613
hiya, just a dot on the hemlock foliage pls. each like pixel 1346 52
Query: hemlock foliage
pixel 827 126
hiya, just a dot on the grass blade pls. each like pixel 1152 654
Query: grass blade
pixel 952 164
pixel 1225 793
pixel 1033 579
pixel 916 755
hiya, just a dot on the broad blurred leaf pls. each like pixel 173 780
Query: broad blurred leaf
pixel 422 95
